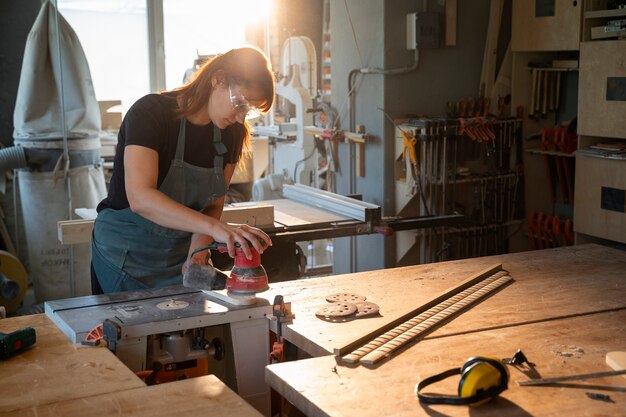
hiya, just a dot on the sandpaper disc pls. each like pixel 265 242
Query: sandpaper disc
pixel 366 308
pixel 343 297
pixel 337 310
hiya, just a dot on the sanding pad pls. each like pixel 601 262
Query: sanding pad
pixel 365 309
pixel 334 310
pixel 343 297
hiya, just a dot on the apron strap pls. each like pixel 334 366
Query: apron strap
pixel 220 148
pixel 180 145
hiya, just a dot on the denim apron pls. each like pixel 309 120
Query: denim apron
pixel 130 252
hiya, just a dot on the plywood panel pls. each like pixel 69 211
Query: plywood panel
pixel 55 370
pixel 589 217
pixel 322 387
pixel 560 32
pixel 204 395
pixel 560 278
pixel 598 116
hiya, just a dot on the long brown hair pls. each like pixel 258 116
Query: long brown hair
pixel 247 65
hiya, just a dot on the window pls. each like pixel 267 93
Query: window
pixel 114 36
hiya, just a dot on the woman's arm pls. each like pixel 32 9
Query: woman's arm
pixel 141 175
pixel 214 210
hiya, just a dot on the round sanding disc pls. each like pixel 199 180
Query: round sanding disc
pixel 366 308
pixel 337 310
pixel 343 297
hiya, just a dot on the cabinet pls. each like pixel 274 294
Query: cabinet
pixel 601 174
pixel 602 89
pixel 546 25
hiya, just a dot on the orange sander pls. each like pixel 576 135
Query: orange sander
pixel 247 277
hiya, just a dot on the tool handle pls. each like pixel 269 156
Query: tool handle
pixel 221 247
pixel 15 342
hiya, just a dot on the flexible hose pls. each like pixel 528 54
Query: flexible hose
pixel 12 158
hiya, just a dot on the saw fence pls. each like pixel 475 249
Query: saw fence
pixel 469 166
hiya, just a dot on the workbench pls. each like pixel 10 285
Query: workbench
pixel 565 309
pixel 58 378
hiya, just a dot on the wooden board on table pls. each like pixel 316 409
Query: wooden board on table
pixel 574 345
pixel 205 395
pixel 293 213
pixel 54 369
pixel 548 283
pixel 616 360
pixel 250 213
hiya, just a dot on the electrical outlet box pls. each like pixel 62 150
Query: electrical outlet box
pixel 423 30
pixel 411 25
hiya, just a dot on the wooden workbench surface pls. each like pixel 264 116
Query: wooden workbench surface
pixel 55 370
pixel 547 284
pixel 57 378
pixel 322 387
pixel 205 395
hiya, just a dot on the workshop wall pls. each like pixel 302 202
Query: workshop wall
pixel 16 19
pixel 445 73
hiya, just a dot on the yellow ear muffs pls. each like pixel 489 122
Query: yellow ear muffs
pixel 482 374
pixel 482 378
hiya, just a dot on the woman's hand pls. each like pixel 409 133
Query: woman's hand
pixel 200 258
pixel 231 234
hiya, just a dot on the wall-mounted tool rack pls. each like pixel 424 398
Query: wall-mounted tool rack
pixel 465 165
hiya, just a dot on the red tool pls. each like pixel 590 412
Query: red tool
pixel 546 145
pixel 248 275
pixel 531 229
pixel 569 235
pixel 16 341
pixel 559 237
pixel 94 337
pixel 246 278
pixel 539 230
pixel 563 142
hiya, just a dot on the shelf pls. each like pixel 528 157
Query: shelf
pixel 599 14
pixel 551 69
pixel 464 229
pixel 469 180
pixel 596 154
pixel 553 153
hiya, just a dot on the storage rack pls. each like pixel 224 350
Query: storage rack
pixel 464 165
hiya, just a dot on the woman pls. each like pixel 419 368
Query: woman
pixel 175 156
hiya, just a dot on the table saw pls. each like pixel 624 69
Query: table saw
pixel 186 332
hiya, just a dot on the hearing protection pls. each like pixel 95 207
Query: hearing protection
pixel 482 378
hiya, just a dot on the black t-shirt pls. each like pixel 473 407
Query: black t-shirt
pixel 150 122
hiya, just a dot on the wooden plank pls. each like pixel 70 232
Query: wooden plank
pixel 419 309
pixel 253 214
pixel 488 72
pixel 557 347
pixel 56 370
pixel 205 395
pixel 616 360
pixel 294 213
pixel 562 273
pixel 74 231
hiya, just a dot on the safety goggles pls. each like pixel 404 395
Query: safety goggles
pixel 240 103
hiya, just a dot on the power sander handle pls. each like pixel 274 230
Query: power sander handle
pixel 219 246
